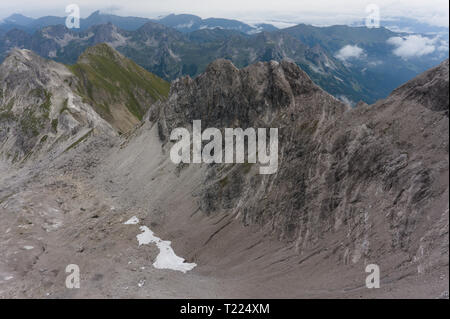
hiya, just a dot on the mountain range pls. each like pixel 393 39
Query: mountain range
pixel 180 22
pixel 352 63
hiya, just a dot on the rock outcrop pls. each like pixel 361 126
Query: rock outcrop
pixel 375 177
pixel 38 107
pixel 44 103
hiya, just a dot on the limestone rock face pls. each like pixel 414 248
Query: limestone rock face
pixel 373 178
pixel 42 101
pixel 38 106
pixel 429 89
pixel 264 93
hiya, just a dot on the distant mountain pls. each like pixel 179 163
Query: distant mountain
pixel 409 25
pixel 188 23
pixel 370 55
pixel 14 21
pixel 181 22
pixel 352 63
pixel 265 27
pixel 171 54
pixel 17 19
pixel 125 23
pixel 96 18
pixel 44 22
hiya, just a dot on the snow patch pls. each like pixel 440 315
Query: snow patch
pixel 132 221
pixel 186 25
pixel 167 259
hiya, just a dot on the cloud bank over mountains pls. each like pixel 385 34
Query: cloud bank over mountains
pixel 350 52
pixel 406 47
pixel 417 46
pixel 325 12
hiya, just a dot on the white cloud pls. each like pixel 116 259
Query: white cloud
pixel 413 46
pixel 395 28
pixel 443 46
pixel 375 63
pixel 350 52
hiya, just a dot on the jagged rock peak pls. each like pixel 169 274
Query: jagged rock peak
pixel 284 73
pixel 24 66
pixel 225 95
pixel 22 55
pixel 101 49
pixel 25 58
pixel 221 65
pixel 431 89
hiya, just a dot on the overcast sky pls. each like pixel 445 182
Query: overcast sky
pixel 320 12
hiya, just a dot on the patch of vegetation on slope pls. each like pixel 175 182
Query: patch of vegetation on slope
pixel 81 139
pixel 113 84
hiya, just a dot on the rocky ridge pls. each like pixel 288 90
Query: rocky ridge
pixel 354 186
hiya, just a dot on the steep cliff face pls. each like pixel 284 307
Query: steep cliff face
pixel 262 94
pixel 373 178
pixel 429 89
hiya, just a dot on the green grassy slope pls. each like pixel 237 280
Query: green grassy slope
pixel 115 85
